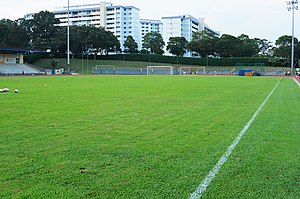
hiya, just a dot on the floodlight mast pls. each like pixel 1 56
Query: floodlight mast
pixel 68 36
pixel 292 5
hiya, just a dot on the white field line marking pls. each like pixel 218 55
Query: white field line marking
pixel 202 187
pixel 297 82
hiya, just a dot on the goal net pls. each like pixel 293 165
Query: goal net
pixel 104 69
pixel 197 70
pixel 160 70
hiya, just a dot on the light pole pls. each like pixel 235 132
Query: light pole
pixel 68 36
pixel 292 5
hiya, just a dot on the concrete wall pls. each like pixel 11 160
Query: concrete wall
pixel 1 58
pixel 11 58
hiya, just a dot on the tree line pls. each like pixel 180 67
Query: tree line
pixel 43 31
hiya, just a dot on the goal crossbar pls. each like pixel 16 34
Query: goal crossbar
pixel 160 70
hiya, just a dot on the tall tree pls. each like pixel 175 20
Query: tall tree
pixel 249 47
pixel 177 45
pixel 12 33
pixel 228 46
pixel 59 44
pixel 79 39
pixel 44 26
pixel 154 43
pixel 264 46
pixel 112 44
pixel 283 48
pixel 203 43
pixel 130 45
pixel 101 41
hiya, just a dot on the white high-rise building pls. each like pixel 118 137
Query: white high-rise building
pixel 120 20
pixel 183 26
pixel 149 25
pixel 204 26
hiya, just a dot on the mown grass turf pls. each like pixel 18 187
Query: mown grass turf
pixel 266 162
pixel 136 136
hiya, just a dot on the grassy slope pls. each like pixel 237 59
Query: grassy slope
pixel 85 66
pixel 134 136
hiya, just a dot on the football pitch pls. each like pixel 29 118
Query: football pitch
pixel 148 137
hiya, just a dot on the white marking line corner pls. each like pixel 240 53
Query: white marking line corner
pixel 297 82
pixel 205 183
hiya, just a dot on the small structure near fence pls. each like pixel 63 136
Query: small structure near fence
pixel 251 69
pixel 54 71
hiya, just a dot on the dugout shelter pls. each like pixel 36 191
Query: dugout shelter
pixel 12 61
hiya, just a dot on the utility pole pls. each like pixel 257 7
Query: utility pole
pixel 68 36
pixel 291 6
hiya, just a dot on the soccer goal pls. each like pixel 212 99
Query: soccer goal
pixel 104 69
pixel 160 70
pixel 197 70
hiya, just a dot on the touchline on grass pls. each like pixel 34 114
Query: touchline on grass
pixel 205 183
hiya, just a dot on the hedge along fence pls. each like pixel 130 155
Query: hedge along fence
pixel 32 58
pixel 184 60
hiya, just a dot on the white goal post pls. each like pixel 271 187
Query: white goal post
pixel 160 70
pixel 192 70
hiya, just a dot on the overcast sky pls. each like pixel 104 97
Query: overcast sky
pixel 265 19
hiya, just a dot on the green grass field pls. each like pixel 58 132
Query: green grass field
pixel 147 137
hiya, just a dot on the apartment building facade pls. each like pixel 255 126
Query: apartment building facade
pixel 123 21
pixel 183 26
pixel 149 25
